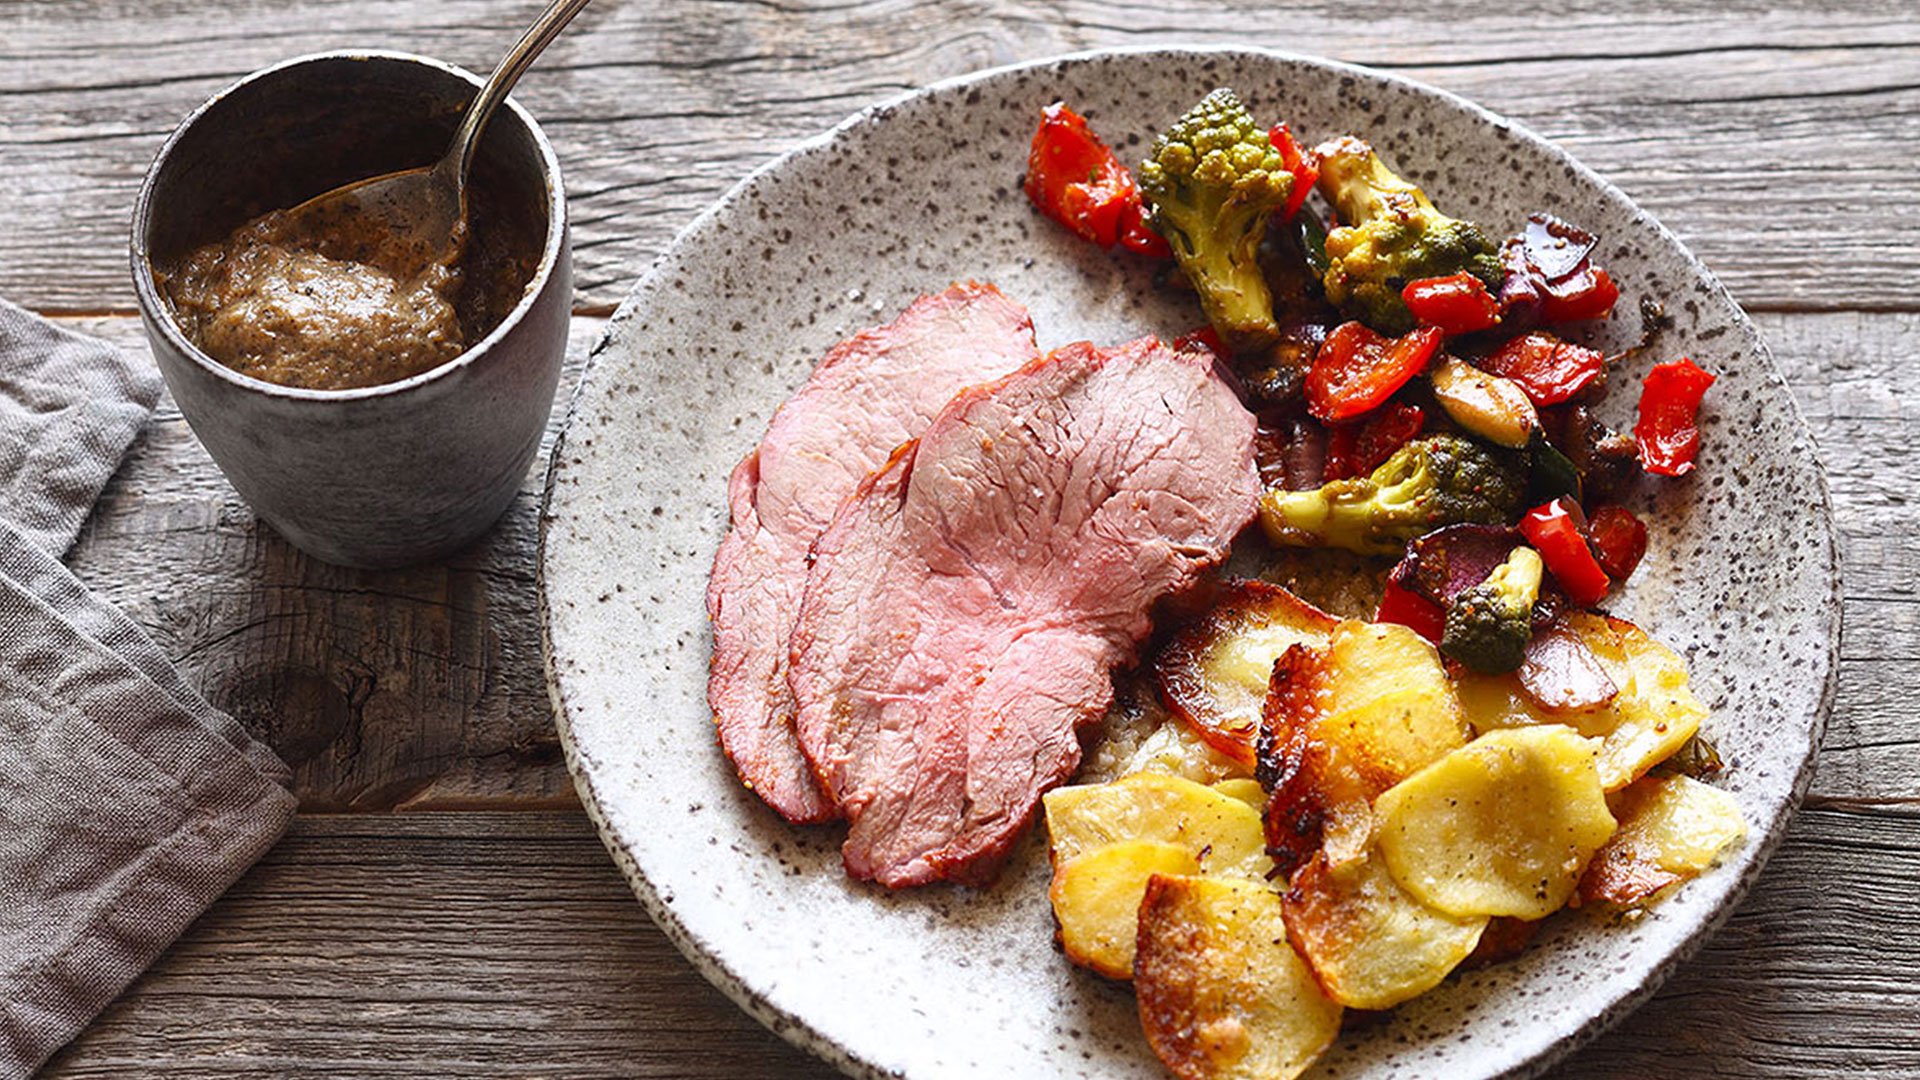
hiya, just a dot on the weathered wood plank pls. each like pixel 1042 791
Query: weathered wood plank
pixel 423 688
pixel 492 945
pixel 415 687
pixel 1777 141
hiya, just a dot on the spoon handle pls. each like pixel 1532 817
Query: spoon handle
pixel 507 72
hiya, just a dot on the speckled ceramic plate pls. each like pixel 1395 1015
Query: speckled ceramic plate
pixel 923 190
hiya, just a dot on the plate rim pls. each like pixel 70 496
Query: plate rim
pixel 796 1029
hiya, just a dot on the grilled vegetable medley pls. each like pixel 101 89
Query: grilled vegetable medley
pixel 1346 806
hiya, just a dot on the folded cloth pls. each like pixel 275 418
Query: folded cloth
pixel 127 802
pixel 69 405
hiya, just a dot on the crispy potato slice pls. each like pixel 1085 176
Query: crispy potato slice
pixel 1502 826
pixel 1322 794
pixel 1389 699
pixel 1222 994
pixel 1221 831
pixel 1343 724
pixel 1246 789
pixel 1658 712
pixel 1213 673
pixel 1371 943
pixel 1096 900
pixel 1653 714
pixel 1671 829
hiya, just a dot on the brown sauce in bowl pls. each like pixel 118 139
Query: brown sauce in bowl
pixel 332 305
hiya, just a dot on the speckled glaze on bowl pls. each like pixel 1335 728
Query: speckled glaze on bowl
pixel 899 201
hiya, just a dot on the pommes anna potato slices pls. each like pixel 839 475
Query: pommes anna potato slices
pixel 1671 829
pixel 1246 789
pixel 1372 944
pixel 1096 898
pixel 1388 698
pixel 1222 994
pixel 1653 715
pixel 1108 839
pixel 1221 830
pixel 1342 725
pixel 1502 826
pixel 1213 673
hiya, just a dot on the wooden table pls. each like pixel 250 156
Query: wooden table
pixel 441 907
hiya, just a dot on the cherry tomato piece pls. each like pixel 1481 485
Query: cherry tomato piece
pixel 1669 406
pixel 1360 446
pixel 1457 304
pixel 1588 294
pixel 1619 540
pixel 1356 369
pixel 1549 370
pixel 1073 178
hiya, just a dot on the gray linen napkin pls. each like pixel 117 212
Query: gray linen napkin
pixel 127 802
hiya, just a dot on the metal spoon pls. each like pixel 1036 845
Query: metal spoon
pixel 423 211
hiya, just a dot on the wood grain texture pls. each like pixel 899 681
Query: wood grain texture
pixel 505 945
pixel 386 689
pixel 1737 123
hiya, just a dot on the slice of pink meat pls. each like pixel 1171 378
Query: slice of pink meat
pixel 967 606
pixel 871 393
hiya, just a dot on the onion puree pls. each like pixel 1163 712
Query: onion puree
pixel 333 303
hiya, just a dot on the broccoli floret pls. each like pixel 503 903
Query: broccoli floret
pixel 1488 626
pixel 1390 235
pixel 1431 482
pixel 1214 179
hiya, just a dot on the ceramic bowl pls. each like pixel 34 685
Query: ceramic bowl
pixel 386 475
pixel 920 191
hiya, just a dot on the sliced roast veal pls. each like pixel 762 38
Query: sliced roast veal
pixel 873 392
pixel 967 605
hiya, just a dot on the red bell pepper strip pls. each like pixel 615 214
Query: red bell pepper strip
pixel 1588 294
pixel 1399 604
pixel 1669 404
pixel 1554 531
pixel 1619 540
pixel 1457 304
pixel 1548 369
pixel 1305 170
pixel 1074 179
pixel 1356 370
pixel 1360 446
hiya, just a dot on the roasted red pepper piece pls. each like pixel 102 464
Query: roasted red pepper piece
pixel 1356 369
pixel 1548 369
pixel 1137 236
pixel 1669 404
pixel 1399 604
pixel 1306 171
pixel 1619 540
pixel 1457 304
pixel 1554 531
pixel 1588 294
pixel 1074 179
pixel 1206 338
pixel 1358 447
